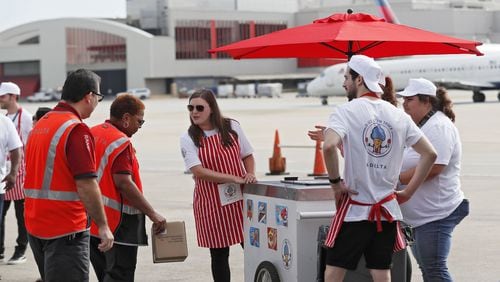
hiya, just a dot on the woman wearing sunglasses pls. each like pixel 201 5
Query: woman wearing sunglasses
pixel 219 155
pixel 121 189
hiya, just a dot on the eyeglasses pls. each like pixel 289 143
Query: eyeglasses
pixel 141 121
pixel 99 96
pixel 199 108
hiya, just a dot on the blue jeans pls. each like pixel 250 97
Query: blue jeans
pixel 433 242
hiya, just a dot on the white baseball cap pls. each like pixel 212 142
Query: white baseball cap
pixel 382 80
pixel 9 88
pixel 418 86
pixel 369 70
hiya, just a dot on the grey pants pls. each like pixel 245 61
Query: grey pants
pixel 62 259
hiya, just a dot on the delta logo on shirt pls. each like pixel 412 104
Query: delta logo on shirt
pixel 377 138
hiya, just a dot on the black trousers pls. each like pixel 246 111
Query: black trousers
pixel 22 235
pixel 117 264
pixel 220 264
pixel 62 259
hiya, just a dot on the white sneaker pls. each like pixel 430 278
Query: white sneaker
pixel 17 258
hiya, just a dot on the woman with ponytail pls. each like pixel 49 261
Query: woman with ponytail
pixel 220 157
pixel 438 205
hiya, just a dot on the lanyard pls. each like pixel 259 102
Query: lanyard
pixel 18 116
pixel 370 94
pixel 426 118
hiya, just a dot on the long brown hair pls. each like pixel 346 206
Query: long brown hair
pixel 389 95
pixel 441 102
pixel 220 122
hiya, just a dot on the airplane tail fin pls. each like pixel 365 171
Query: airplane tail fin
pixel 386 10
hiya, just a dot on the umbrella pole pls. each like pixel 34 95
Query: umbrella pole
pixel 349 50
pixel 349 44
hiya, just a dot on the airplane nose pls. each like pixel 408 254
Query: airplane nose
pixel 313 87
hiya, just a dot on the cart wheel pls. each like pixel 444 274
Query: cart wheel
pixel 266 272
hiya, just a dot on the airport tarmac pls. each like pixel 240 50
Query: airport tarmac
pixel 476 244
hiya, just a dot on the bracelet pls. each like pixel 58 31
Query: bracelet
pixel 335 180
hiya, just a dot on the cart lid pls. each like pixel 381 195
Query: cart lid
pixel 297 190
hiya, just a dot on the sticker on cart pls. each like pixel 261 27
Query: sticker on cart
pixel 272 238
pixel 282 215
pixel 263 212
pixel 249 209
pixel 254 237
pixel 229 193
pixel 286 253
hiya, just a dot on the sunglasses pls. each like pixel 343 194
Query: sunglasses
pixel 99 96
pixel 199 108
pixel 141 121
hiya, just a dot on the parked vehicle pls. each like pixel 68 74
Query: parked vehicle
pixel 225 90
pixel 245 90
pixel 41 97
pixel 269 89
pixel 302 89
pixel 141 93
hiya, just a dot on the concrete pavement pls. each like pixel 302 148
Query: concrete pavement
pixel 476 242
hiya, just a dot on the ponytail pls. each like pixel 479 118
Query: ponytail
pixel 389 95
pixel 443 103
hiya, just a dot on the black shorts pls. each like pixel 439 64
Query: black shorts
pixel 361 237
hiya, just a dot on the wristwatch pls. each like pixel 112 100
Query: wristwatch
pixel 335 180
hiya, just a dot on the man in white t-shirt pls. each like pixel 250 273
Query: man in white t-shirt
pixel 9 144
pixel 373 134
pixel 23 122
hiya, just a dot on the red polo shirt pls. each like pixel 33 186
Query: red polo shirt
pixel 80 149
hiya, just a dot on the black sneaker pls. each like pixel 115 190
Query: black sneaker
pixel 17 258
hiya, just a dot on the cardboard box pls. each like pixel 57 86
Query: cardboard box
pixel 172 245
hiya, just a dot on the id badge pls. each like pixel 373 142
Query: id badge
pixel 229 193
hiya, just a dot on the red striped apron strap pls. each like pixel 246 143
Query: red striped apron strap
pixel 377 210
pixel 337 221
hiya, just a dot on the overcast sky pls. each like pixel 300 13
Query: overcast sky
pixel 16 12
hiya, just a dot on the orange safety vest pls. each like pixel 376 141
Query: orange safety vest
pixel 109 143
pixel 52 206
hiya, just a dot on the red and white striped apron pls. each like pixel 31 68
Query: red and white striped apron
pixel 217 226
pixel 17 193
pixel 376 213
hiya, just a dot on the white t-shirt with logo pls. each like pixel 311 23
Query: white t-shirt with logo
pixel 9 140
pixel 26 123
pixel 190 151
pixel 438 197
pixel 374 134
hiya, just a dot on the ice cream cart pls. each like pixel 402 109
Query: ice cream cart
pixel 282 221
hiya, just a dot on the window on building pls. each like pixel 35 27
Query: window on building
pixel 31 40
pixel 193 38
pixel 21 68
pixel 91 47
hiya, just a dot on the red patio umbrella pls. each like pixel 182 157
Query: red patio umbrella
pixel 344 35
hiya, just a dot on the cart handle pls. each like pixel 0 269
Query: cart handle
pixel 320 214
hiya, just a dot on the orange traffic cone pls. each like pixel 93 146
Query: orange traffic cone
pixel 319 162
pixel 277 164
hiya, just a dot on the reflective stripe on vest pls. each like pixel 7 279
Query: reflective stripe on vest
pixel 109 150
pixel 45 192
pixel 109 202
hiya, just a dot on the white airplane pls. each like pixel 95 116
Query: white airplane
pixel 454 71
